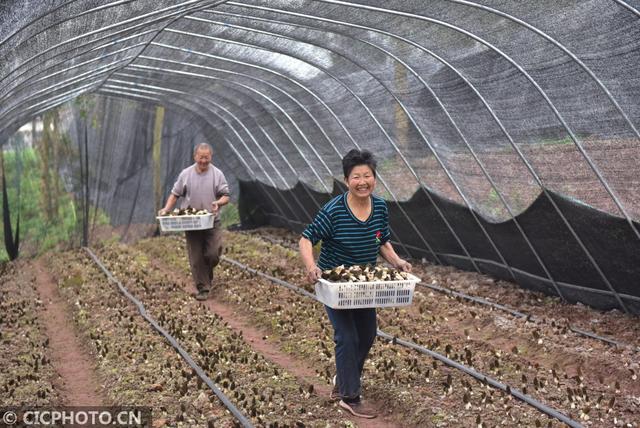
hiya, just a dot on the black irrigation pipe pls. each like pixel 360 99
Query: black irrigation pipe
pixel 172 341
pixel 482 378
pixel 529 317
pixel 269 277
pixel 604 339
pixel 486 302
pixel 478 300
pixel 479 376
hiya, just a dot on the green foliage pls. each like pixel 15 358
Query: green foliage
pixel 85 104
pixel 493 203
pixel 229 215
pixel 39 234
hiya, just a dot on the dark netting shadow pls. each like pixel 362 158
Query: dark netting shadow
pixel 608 240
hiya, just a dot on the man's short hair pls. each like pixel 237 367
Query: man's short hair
pixel 202 146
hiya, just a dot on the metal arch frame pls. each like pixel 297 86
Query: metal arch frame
pixel 55 101
pixel 426 85
pixel 231 127
pixel 505 264
pixel 215 3
pixel 228 124
pixel 471 259
pixel 558 45
pixel 179 14
pixel 219 106
pixel 109 27
pixel 81 45
pixel 555 111
pixel 176 15
pixel 195 65
pixel 237 135
pixel 572 231
pixel 148 68
pixel 267 157
pixel 251 89
pixel 123 94
pixel 64 83
pixel 259 106
pixel 259 93
pixel 161 100
pixel 323 103
pixel 628 6
pixel 424 138
pixel 288 95
pixel 51 48
pixel 550 104
pixel 88 43
pixel 49 12
pixel 266 134
pixel 31 81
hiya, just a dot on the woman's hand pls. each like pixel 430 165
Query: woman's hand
pixel 306 253
pixel 314 274
pixel 403 265
pixel 389 254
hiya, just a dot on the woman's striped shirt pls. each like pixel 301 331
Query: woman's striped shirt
pixel 345 239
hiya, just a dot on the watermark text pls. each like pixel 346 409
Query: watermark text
pixel 129 417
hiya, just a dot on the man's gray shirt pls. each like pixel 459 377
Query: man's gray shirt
pixel 199 190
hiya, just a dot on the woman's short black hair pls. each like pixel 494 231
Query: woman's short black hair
pixel 357 157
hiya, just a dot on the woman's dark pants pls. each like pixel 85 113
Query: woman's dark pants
pixel 354 334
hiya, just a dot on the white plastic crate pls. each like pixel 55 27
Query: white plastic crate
pixel 371 294
pixel 181 223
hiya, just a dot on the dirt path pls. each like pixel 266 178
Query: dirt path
pixel 77 382
pixel 239 321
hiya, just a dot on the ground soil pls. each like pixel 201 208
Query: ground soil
pixel 97 338
pixel 543 345
pixel 77 381
pixel 440 323
pixel 258 338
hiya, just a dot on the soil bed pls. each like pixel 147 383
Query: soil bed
pixel 28 377
pixel 586 379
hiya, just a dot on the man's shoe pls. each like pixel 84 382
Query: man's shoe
pixel 358 409
pixel 202 295
pixel 335 392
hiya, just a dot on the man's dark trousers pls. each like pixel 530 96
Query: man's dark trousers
pixel 204 248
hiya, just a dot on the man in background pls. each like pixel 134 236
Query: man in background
pixel 203 187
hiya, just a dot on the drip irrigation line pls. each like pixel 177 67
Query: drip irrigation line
pixel 172 341
pixel 478 300
pixel 269 277
pixel 529 317
pixel 447 361
pixel 486 302
pixel 482 378
pixel 602 338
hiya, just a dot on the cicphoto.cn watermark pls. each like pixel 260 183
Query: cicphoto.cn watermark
pixel 126 417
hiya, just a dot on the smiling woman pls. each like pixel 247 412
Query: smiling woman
pixel 353 228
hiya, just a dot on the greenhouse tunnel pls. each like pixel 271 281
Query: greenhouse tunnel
pixel 506 132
